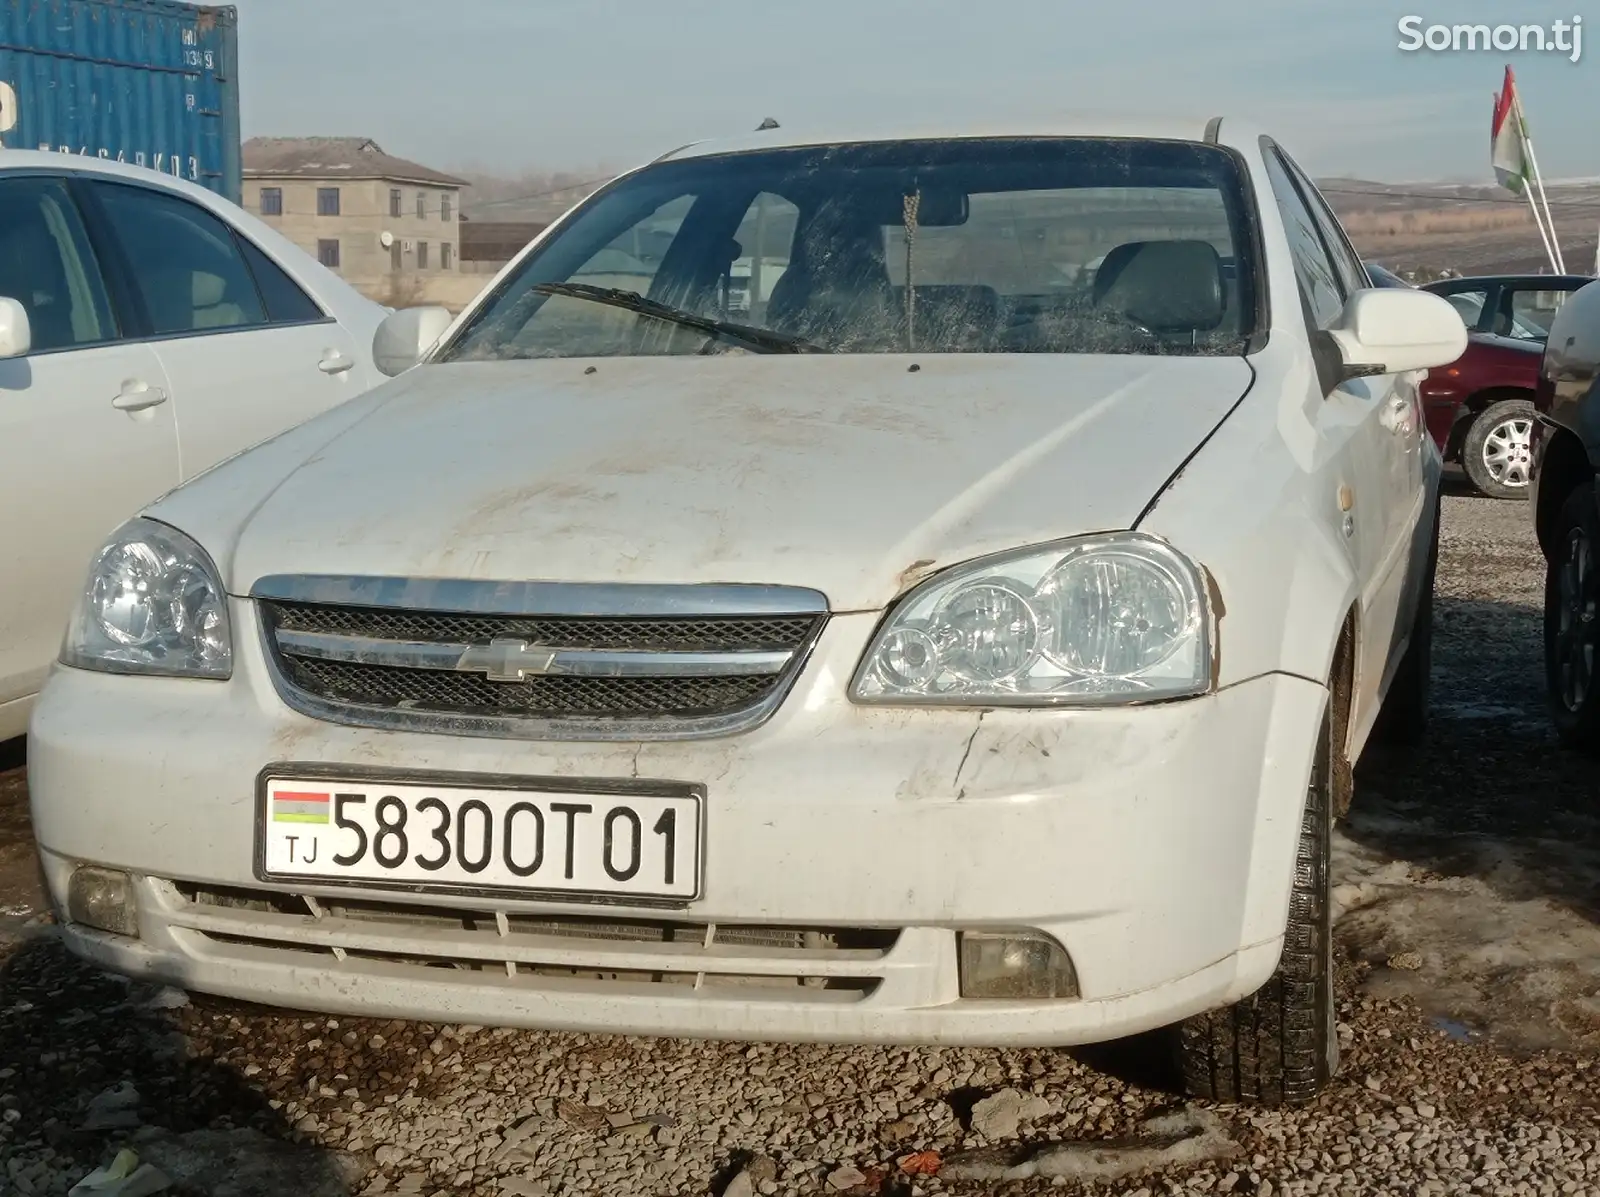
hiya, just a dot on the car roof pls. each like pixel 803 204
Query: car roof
pixel 37 160
pixel 1502 279
pixel 1078 124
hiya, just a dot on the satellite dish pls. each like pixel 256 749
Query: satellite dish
pixel 386 239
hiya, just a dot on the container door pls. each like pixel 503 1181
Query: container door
pixel 146 82
pixel 248 353
pixel 87 435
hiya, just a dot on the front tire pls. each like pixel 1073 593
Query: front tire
pixel 1280 1047
pixel 1497 453
pixel 1572 622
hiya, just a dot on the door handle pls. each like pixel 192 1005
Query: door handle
pixel 335 362
pixel 137 396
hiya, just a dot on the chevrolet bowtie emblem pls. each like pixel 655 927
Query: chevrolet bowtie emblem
pixel 506 660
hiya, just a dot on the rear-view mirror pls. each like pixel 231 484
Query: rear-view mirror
pixel 1389 331
pixel 404 338
pixel 936 207
pixel 16 333
pixel 940 208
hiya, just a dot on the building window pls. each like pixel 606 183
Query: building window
pixel 422 255
pixel 327 201
pixel 446 212
pixel 422 205
pixel 396 258
pixel 395 201
pixel 272 201
pixel 446 255
pixel 328 254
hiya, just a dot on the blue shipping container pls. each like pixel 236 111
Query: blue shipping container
pixel 150 82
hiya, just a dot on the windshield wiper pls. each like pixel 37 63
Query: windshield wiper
pixel 763 340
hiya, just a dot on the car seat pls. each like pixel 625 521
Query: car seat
pixel 1167 286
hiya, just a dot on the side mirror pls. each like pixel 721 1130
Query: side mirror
pixel 1389 331
pixel 16 333
pixel 406 336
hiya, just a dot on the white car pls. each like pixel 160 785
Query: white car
pixel 928 655
pixel 148 329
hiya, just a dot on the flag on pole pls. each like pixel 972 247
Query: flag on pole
pixel 1509 139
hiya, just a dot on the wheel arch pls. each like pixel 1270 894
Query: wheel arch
pixel 1341 696
pixel 1476 404
pixel 1564 466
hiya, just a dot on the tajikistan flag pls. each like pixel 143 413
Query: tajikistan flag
pixel 1509 142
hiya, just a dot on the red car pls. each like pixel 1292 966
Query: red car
pixel 1480 407
pixel 1480 412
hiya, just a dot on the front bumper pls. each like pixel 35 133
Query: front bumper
pixel 1156 844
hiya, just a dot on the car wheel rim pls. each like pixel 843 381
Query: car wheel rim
pixel 1508 451
pixel 1576 622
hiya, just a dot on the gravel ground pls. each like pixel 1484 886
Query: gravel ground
pixel 1470 1026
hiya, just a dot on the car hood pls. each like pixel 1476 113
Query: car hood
pixel 853 476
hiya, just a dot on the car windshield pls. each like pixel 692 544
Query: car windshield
pixel 1071 245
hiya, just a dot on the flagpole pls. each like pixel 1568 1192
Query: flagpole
pixel 1538 222
pixel 1543 236
pixel 1556 259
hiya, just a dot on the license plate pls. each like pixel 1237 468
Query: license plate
pixel 462 837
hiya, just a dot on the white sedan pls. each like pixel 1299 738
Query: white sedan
pixel 989 676
pixel 148 329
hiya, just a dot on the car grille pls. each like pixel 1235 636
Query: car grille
pixel 828 964
pixel 544 698
pixel 635 677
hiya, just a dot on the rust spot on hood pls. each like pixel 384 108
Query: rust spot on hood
pixel 914 573
pixel 1218 610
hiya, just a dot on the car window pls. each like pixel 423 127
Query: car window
pixel 1080 245
pixel 1529 313
pixel 286 303
pixel 1468 305
pixel 1319 282
pixel 766 245
pixel 629 262
pixel 1346 262
pixel 186 267
pixel 1382 277
pixel 47 265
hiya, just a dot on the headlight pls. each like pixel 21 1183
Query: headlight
pixel 1101 620
pixel 153 604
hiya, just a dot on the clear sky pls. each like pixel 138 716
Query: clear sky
pixel 516 85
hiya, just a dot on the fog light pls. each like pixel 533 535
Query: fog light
pixel 103 899
pixel 1015 965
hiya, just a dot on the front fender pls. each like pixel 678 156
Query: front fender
pixel 1264 523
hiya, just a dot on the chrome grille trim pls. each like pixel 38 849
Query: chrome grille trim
pixel 415 654
pixel 578 600
pixel 536 661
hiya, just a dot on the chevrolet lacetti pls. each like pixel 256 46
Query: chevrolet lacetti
pixel 914 588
